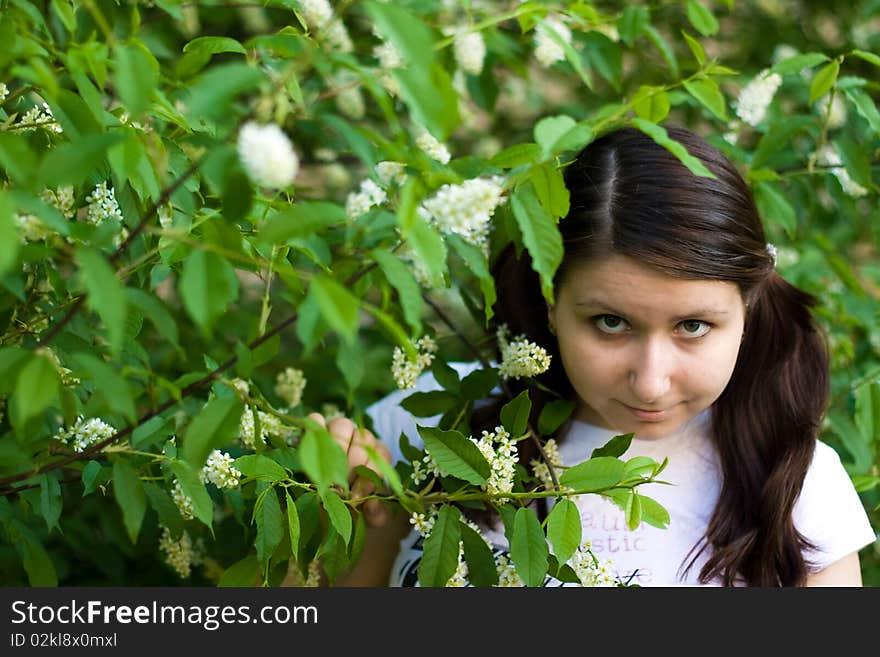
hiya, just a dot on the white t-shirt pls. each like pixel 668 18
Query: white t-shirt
pixel 828 512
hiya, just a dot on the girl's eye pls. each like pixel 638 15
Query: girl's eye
pixel 610 324
pixel 694 328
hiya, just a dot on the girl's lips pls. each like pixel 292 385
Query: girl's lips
pixel 648 416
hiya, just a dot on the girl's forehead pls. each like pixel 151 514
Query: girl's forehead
pixel 624 283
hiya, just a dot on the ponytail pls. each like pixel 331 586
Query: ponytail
pixel 765 426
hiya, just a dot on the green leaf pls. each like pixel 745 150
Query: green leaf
pixel 337 511
pixel 572 56
pixel 632 23
pixel 774 208
pixel 701 18
pixel 401 278
pixel 516 155
pixel 323 460
pixel 137 75
pixel 90 477
pixel 167 511
pixel 412 38
pixel 867 411
pixel 549 130
pixel 18 160
pixel 207 286
pixel 479 383
pixel 706 91
pixel 212 45
pixel 270 526
pixel 428 404
pixel 823 80
pixel 659 135
pixel 633 510
pixel 515 414
pixel 36 388
pixel 540 235
pixel 528 548
pixel 293 527
pixel 50 500
pixel 387 471
pixel 9 242
pixel 193 488
pixel 242 573
pixel 301 220
pixel 867 56
pixel 594 475
pixel 479 558
pixel 72 162
pixel 338 306
pixel 456 455
pixel 440 555
pixel 430 97
pixel 553 415
pixel 106 294
pixel 651 103
pixel 476 262
pixel 129 493
pixel 653 512
pixel 446 376
pixel 866 107
pixel 36 561
pixel 260 467
pixel 665 49
pixel 215 426
pixel 564 529
pixel 212 94
pixel 798 63
pixel 855 159
pixel 696 48
pixel 108 383
pixel 615 447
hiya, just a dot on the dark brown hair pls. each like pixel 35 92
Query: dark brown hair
pixel 632 197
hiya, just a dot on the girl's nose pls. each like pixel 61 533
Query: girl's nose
pixel 650 372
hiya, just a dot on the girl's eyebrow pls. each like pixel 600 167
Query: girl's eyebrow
pixel 697 312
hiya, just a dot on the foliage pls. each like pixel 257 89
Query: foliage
pixel 160 271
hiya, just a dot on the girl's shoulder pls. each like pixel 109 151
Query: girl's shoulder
pixel 829 512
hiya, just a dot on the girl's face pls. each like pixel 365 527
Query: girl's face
pixel 645 352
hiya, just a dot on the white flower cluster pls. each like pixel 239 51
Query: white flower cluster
pixel 459 578
pixel 30 228
pixel 183 501
pixel 424 523
pixel 220 471
pixel 465 209
pixel 103 205
pixel 318 15
pixel 313 579
pixel 61 199
pixel 67 377
pixel 241 386
pixel 501 453
pixel 754 99
pixel 4 91
pixel 406 371
pixel 359 203
pixel 432 147
pixel 507 575
pixel 269 426
pixel 85 433
pixel 590 571
pixel 179 554
pixel 520 357
pixel 40 116
pixel 331 411
pixel 166 215
pixel 349 99
pixel 547 50
pixel 541 470
pixel 469 49
pixel 425 468
pixel 829 157
pixel 289 385
pixel 834 110
pixel 267 155
pixel 390 172
pixel 388 55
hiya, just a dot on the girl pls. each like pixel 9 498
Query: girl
pixel 671 323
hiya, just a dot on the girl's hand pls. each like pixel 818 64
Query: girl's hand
pixel 353 440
